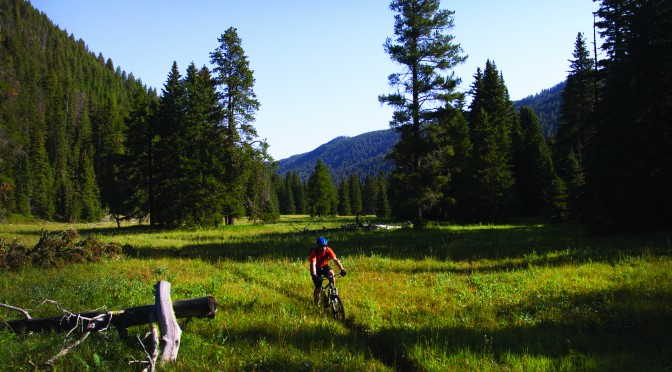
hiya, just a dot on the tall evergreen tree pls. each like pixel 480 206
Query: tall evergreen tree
pixel 289 192
pixel 383 208
pixel 298 193
pixel 168 198
pixel 533 167
pixel 322 194
pixel 451 157
pixel 426 52
pixel 355 195
pixel 492 121
pixel 369 195
pixel 628 178
pixel 576 128
pixel 344 207
pixel 136 189
pixel 239 102
pixel 203 167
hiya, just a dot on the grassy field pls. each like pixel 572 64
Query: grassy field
pixel 527 297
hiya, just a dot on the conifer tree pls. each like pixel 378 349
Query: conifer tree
pixel 533 167
pixel 168 198
pixel 576 127
pixel 383 208
pixel 628 178
pixel 239 104
pixel 138 165
pixel 355 195
pixel 322 194
pixel 426 52
pixel 369 195
pixel 492 120
pixel 289 192
pixel 298 193
pixel 344 207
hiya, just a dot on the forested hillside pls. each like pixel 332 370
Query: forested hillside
pixel 546 105
pixel 80 138
pixel 62 111
pixel 362 155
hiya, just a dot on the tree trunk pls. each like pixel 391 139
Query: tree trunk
pixel 204 307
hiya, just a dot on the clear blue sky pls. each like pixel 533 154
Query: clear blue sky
pixel 319 65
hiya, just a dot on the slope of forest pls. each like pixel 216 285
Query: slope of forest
pixel 62 114
pixel 546 104
pixel 361 155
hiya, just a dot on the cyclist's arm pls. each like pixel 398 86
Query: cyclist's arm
pixel 338 263
pixel 313 267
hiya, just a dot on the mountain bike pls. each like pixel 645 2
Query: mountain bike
pixel 329 300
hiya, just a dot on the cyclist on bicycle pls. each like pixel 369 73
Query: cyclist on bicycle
pixel 319 265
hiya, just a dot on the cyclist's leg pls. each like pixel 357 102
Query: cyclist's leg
pixel 318 285
pixel 329 272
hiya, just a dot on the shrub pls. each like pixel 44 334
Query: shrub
pixel 56 250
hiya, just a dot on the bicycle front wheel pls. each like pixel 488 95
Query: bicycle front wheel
pixel 337 310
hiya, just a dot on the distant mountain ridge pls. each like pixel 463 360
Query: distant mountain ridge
pixel 546 105
pixel 365 154
pixel 361 155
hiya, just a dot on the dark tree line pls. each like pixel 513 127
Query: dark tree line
pixel 607 165
pixel 319 196
pixel 80 138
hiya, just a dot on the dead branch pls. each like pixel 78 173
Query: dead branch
pixel 24 312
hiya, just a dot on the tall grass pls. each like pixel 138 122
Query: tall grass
pixel 515 297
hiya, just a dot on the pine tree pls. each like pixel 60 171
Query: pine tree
pixel 628 178
pixel 426 52
pixel 576 126
pixel 168 199
pixel 298 193
pixel 533 167
pixel 344 207
pixel 383 208
pixel 355 195
pixel 492 120
pixel 289 192
pixel 202 159
pixel 369 195
pixel 239 104
pixel 451 157
pixel 322 194
pixel 136 190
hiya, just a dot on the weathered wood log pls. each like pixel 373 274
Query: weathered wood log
pixel 170 330
pixel 204 307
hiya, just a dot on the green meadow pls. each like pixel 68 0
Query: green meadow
pixel 527 296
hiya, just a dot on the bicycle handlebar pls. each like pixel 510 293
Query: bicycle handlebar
pixel 327 277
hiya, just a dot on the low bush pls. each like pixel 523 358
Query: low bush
pixel 56 250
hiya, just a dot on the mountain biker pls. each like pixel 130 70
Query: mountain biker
pixel 319 265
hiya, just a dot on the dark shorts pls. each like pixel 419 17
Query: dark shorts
pixel 322 271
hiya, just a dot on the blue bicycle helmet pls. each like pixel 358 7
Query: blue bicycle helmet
pixel 321 241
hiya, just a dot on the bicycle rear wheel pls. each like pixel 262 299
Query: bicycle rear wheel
pixel 337 310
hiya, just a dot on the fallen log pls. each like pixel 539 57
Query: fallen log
pixel 204 307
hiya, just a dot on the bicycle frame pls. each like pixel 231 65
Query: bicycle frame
pixel 329 298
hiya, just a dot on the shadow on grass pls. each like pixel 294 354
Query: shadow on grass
pixel 620 334
pixel 617 337
pixel 533 243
